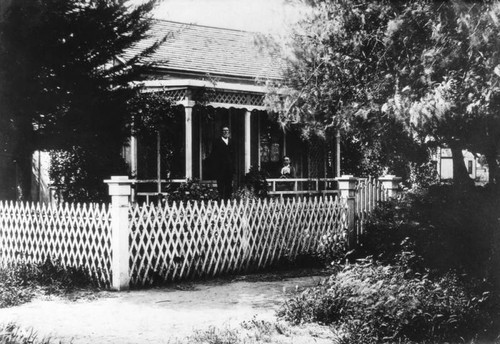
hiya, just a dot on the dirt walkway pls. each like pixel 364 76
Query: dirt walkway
pixel 157 315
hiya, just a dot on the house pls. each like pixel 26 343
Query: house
pixel 444 163
pixel 217 78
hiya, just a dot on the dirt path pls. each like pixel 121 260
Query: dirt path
pixel 157 315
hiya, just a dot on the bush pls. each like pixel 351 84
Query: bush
pixel 371 303
pixel 255 181
pixel 193 190
pixel 19 283
pixel 13 334
pixel 423 175
pixel 449 230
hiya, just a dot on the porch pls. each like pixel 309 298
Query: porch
pixel 203 108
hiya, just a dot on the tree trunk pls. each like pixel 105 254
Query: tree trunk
pixel 493 170
pixel 23 176
pixel 460 176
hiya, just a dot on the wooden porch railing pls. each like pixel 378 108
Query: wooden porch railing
pixel 277 187
pixel 301 186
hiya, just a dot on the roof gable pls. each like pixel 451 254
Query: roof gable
pixel 210 50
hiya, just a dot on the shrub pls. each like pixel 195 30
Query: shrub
pixel 13 334
pixel 13 290
pixel 19 283
pixel 372 303
pixel 449 230
pixel 255 181
pixel 193 190
pixel 423 175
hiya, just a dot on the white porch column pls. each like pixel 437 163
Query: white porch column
pixel 189 141
pixel 133 156
pixel 337 154
pixel 248 140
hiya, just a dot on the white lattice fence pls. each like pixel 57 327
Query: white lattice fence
pixel 207 239
pixel 76 235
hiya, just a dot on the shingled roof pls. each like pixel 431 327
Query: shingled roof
pixel 216 51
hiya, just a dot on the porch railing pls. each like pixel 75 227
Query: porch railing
pixel 277 187
pixel 302 186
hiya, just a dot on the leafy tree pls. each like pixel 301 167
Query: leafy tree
pixel 455 101
pixel 432 66
pixel 60 81
pixel 335 81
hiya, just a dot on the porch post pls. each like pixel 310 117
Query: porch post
pixel 133 156
pixel 248 141
pixel 337 155
pixel 188 144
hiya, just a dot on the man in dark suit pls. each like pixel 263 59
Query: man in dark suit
pixel 222 164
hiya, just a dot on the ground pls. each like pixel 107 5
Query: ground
pixel 170 314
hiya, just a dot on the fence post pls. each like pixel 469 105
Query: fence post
pixel 347 189
pixel 390 183
pixel 120 192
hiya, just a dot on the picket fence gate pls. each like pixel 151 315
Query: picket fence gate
pixel 122 244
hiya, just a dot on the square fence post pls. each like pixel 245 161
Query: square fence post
pixel 120 192
pixel 390 183
pixel 347 189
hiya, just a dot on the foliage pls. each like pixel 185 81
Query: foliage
pixel 13 334
pixel 423 175
pixel 431 66
pixel 154 118
pixel 215 336
pixel 193 190
pixel 79 173
pixel 19 283
pixel 63 89
pixel 371 303
pixel 255 182
pixel 244 194
pixel 374 146
pixel 448 230
pixel 150 112
pixel 11 293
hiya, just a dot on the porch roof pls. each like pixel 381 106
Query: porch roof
pixel 210 50
pixel 225 95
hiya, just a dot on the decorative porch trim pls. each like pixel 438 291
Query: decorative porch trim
pixel 188 83
pixel 220 94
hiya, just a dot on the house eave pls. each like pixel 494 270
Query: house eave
pixel 193 83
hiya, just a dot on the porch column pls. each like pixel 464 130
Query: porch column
pixel 337 154
pixel 133 156
pixel 188 144
pixel 248 141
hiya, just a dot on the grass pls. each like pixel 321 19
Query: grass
pixel 256 331
pixel 13 334
pixel 20 283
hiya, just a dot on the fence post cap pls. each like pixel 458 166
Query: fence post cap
pixel 346 177
pixel 390 177
pixel 119 185
pixel 117 179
